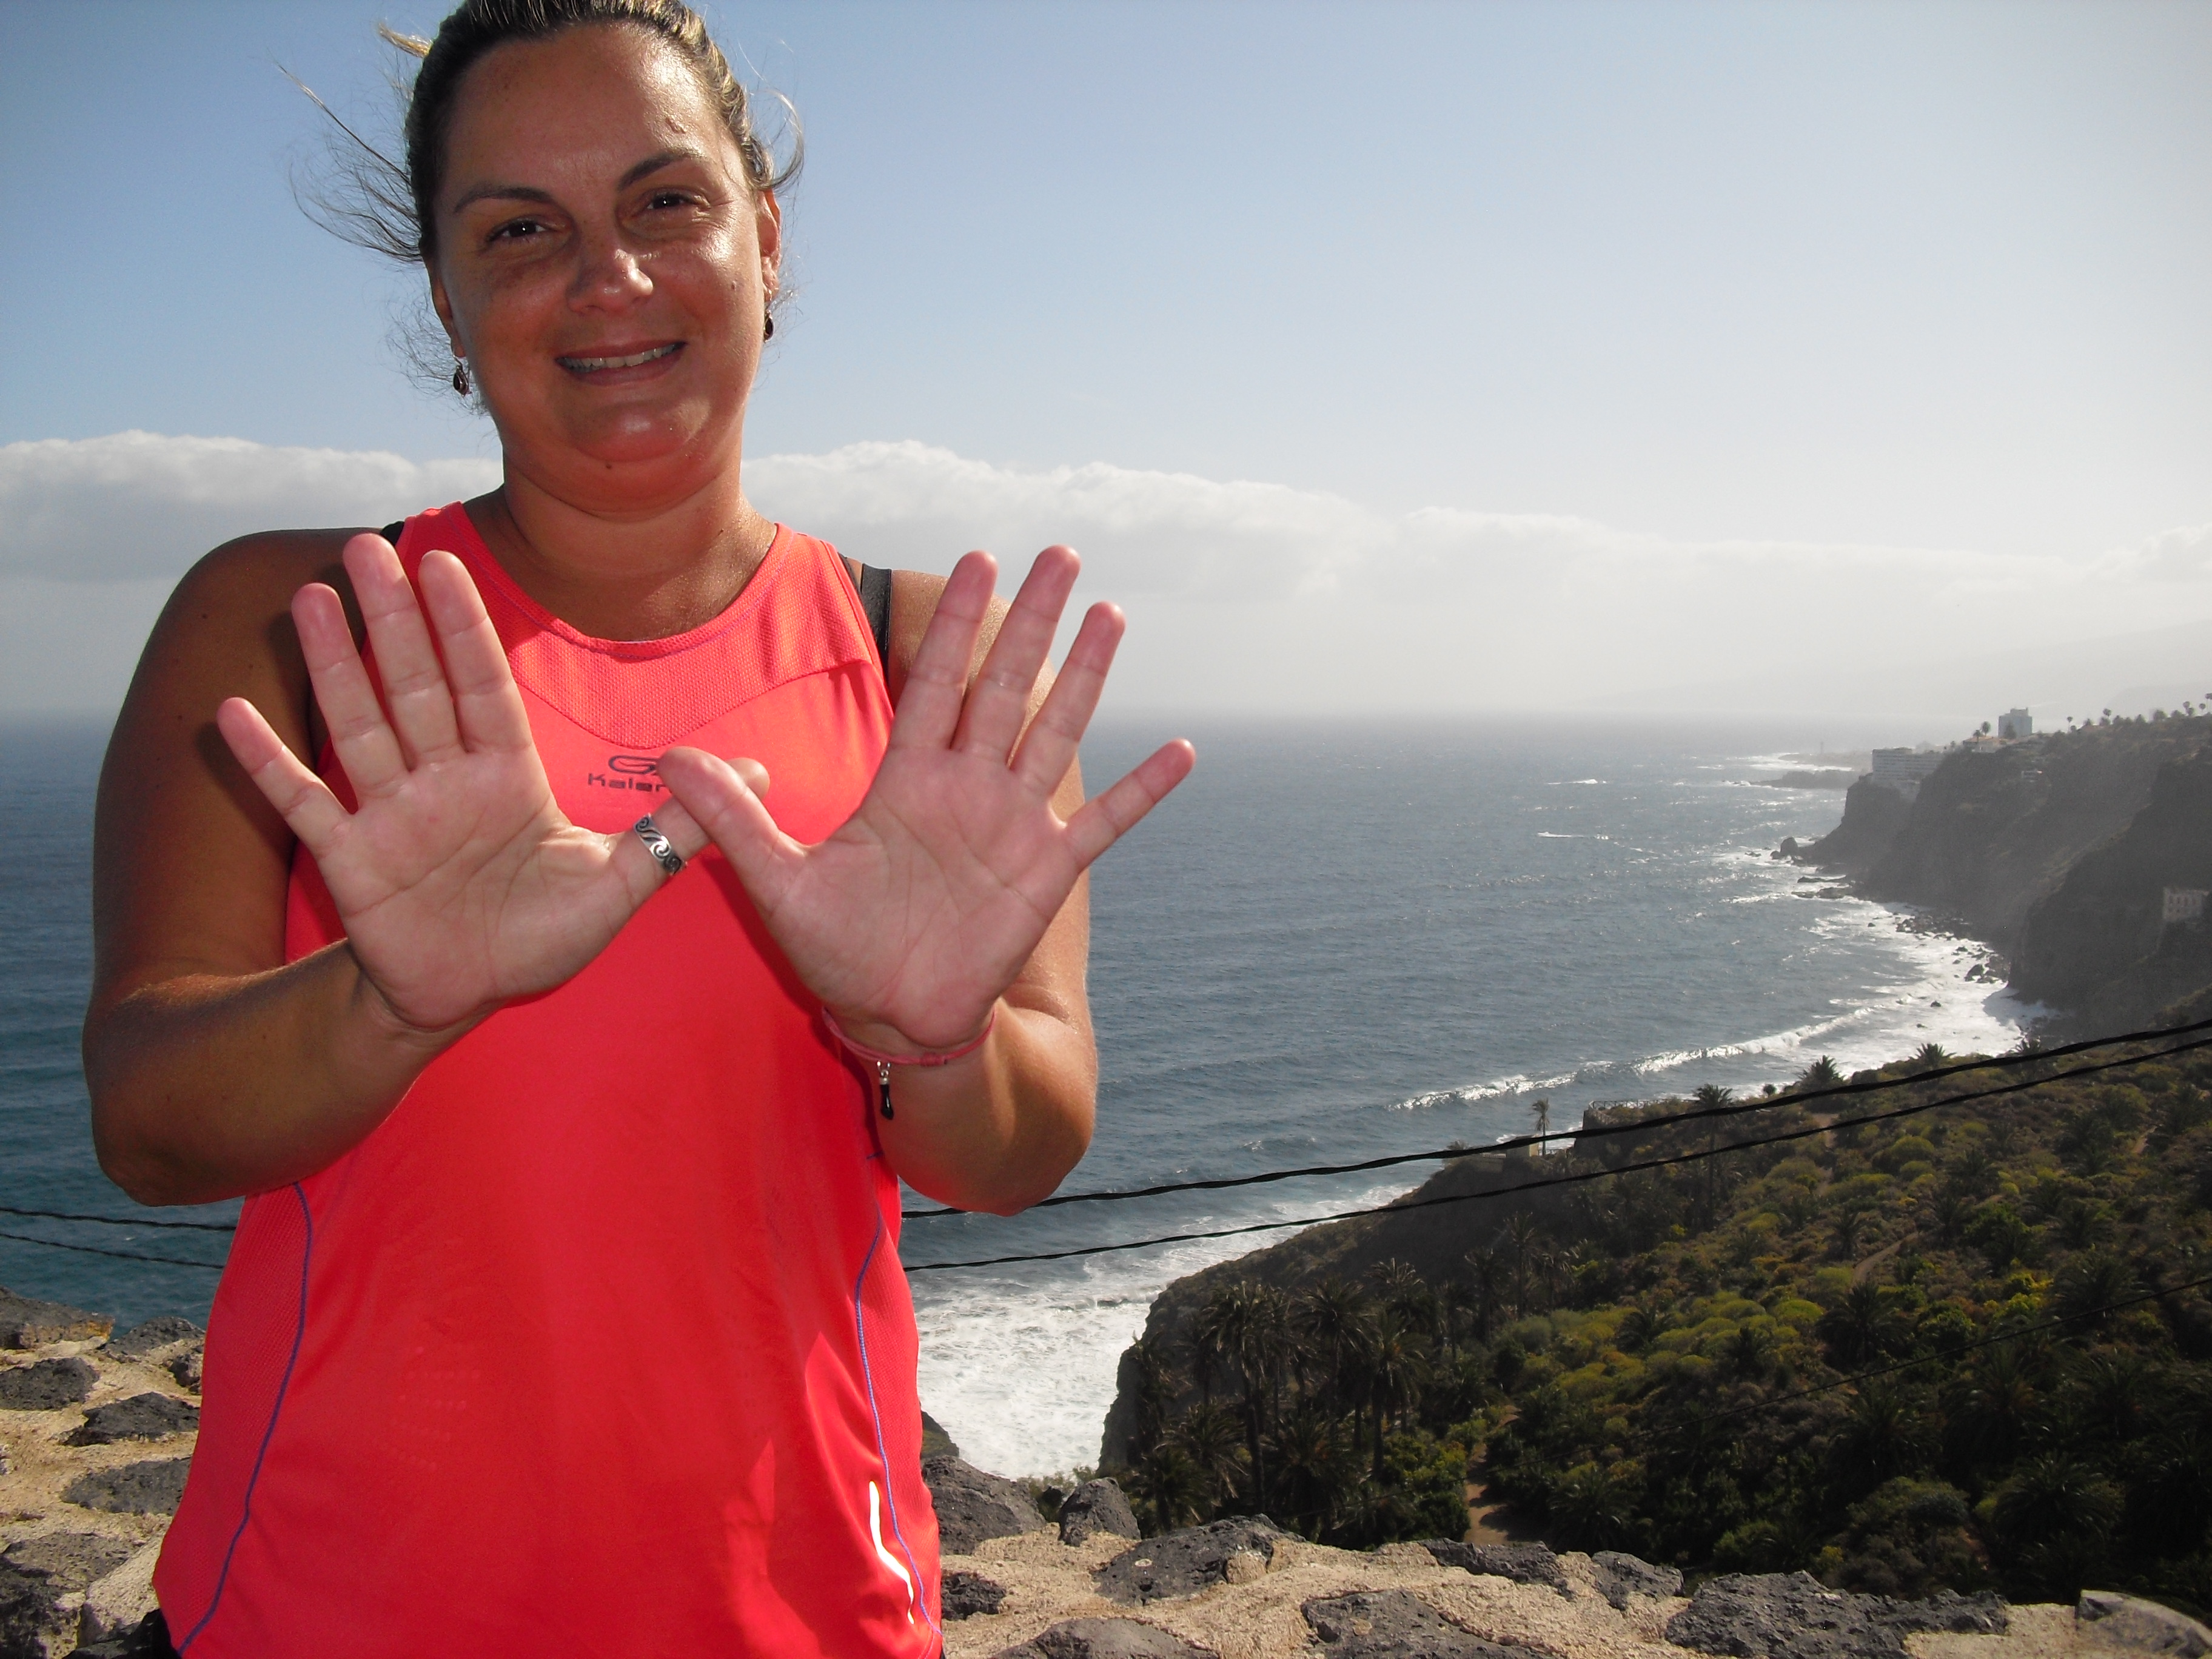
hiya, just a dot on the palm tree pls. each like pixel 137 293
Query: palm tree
pixel 1521 1235
pixel 1407 1294
pixel 1484 1271
pixel 1542 1112
pixel 1711 1094
pixel 1395 1371
pixel 1750 1352
pixel 1244 1329
pixel 1822 1073
pixel 1214 1441
pixel 1170 1487
pixel 1331 1318
pixel 1309 1470
pixel 1929 1055
pixel 1858 1329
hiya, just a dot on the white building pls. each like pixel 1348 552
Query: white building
pixel 2184 904
pixel 1902 769
pixel 2014 725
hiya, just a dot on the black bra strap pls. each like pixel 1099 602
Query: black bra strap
pixel 875 601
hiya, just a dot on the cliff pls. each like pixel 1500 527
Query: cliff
pixel 2057 853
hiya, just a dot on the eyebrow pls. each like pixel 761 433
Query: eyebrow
pixel 651 165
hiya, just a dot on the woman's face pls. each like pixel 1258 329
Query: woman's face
pixel 604 264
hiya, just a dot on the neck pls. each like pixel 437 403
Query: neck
pixel 663 570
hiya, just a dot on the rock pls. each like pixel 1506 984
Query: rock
pixel 27 1322
pixel 118 1604
pixel 149 1488
pixel 37 1616
pixel 1620 1577
pixel 1097 1506
pixel 1793 1616
pixel 149 1639
pixel 1394 1625
pixel 972 1507
pixel 144 1341
pixel 141 1417
pixel 45 1385
pixel 2128 1621
pixel 1524 1564
pixel 966 1594
pixel 69 1559
pixel 1184 1563
pixel 935 1443
pixel 185 1367
pixel 1105 1639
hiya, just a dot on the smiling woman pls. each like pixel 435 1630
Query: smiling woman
pixel 382 943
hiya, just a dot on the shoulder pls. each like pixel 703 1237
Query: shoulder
pixel 915 594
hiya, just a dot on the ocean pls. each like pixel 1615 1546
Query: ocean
pixel 1336 941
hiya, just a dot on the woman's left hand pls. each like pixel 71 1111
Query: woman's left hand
pixel 913 916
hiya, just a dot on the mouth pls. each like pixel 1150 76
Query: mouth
pixel 631 360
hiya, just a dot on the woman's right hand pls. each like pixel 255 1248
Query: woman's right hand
pixel 461 884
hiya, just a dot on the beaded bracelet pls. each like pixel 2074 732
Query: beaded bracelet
pixel 883 1062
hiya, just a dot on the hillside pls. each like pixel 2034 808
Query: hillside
pixel 1661 1361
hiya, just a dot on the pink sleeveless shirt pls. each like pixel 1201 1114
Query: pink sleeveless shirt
pixel 600 1344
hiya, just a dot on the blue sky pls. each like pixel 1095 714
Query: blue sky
pixel 1613 329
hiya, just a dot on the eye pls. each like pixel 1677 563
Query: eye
pixel 668 198
pixel 515 230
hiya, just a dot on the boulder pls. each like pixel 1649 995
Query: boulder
pixel 36 1575
pixel 185 1367
pixel 2128 1621
pixel 27 1322
pixel 1394 1625
pixel 963 1595
pixel 1097 1506
pixel 972 1507
pixel 935 1443
pixel 149 1488
pixel 1620 1577
pixel 141 1417
pixel 1524 1564
pixel 1105 1639
pixel 146 1340
pixel 69 1559
pixel 1793 1616
pixel 148 1639
pixel 1232 1552
pixel 45 1385
pixel 117 1604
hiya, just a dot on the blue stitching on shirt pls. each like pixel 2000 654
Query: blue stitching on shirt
pixel 868 1379
pixel 246 1509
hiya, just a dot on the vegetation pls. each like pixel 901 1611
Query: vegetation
pixel 1889 1353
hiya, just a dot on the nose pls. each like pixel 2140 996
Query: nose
pixel 608 276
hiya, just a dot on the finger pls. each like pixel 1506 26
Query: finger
pixel 358 731
pixel 485 704
pixel 1048 747
pixel 420 705
pixel 302 799
pixel 718 802
pixel 937 683
pixel 1112 815
pixel 999 701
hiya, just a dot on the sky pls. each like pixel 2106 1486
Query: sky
pixel 1847 361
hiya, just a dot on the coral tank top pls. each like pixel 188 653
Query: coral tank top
pixel 598 1344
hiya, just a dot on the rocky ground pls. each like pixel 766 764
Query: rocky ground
pixel 1017 1587
pixel 97 1427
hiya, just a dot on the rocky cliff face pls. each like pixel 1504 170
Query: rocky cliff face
pixel 2095 943
pixel 2056 853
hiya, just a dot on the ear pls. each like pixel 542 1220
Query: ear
pixel 443 305
pixel 768 228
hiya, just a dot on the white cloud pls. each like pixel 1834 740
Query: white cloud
pixel 138 504
pixel 1242 595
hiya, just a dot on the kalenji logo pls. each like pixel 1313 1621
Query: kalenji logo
pixel 629 772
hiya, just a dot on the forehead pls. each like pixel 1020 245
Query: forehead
pixel 589 99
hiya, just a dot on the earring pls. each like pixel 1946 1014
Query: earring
pixel 461 378
pixel 768 327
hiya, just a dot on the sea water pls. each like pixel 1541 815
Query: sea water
pixel 1335 942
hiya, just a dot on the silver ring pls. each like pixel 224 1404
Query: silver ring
pixel 664 853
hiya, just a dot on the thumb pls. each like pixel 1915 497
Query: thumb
pixel 724 802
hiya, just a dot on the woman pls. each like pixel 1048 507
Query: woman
pixel 564 1314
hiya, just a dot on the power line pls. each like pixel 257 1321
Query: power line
pixel 120 1255
pixel 1510 1143
pixel 123 1221
pixel 1575 1176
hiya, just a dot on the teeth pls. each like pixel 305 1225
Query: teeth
pixel 588 364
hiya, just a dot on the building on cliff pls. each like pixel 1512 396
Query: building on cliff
pixel 2183 906
pixel 1902 769
pixel 2014 725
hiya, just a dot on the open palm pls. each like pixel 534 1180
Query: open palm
pixel 920 910
pixel 460 883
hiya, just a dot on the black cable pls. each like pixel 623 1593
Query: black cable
pixel 120 1255
pixel 1572 1178
pixel 123 1221
pixel 2012 1334
pixel 1727 1109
